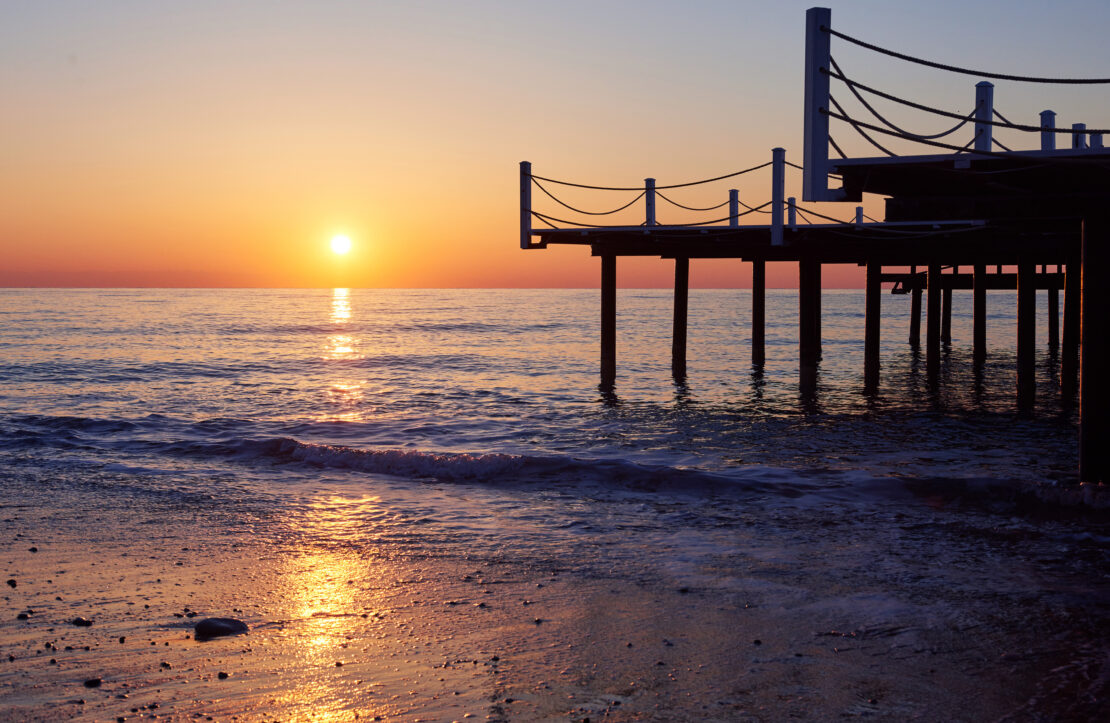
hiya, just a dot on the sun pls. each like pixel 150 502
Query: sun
pixel 340 244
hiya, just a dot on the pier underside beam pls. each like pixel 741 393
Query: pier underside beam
pixel 1026 335
pixel 681 307
pixel 946 315
pixel 1094 346
pixel 759 311
pixel 979 314
pixel 872 318
pixel 932 323
pixel 608 318
pixel 1053 319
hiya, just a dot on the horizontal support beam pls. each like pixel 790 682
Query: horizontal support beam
pixel 909 282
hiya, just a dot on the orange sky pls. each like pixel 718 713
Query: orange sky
pixel 208 144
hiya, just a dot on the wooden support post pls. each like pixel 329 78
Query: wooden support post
pixel 608 318
pixel 984 114
pixel 1026 334
pixel 979 314
pixel 733 207
pixel 1079 138
pixel 1048 124
pixel 1054 316
pixel 1069 361
pixel 649 201
pixel 817 310
pixel 946 316
pixel 872 323
pixel 808 313
pixel 778 193
pixel 681 304
pixel 1094 350
pixel 915 311
pixel 932 323
pixel 759 310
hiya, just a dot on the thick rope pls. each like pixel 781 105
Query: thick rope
pixel 582 211
pixel 691 208
pixel 868 106
pixel 965 71
pixel 856 124
pixel 658 188
pixel 549 219
pixel 950 114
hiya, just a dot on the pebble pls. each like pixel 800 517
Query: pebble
pixel 92 683
pixel 11 583
pixel 217 627
pixel 81 622
pixel 22 616
pixel 33 549
pixel 222 675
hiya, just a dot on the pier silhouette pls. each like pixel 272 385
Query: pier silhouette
pixel 955 217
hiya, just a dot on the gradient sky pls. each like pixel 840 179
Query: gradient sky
pixel 199 143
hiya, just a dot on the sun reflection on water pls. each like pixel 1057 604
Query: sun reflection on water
pixel 344 396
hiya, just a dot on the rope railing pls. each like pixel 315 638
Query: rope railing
pixel 551 220
pixel 691 208
pixel 856 124
pixel 658 188
pixel 965 71
pixel 937 111
pixel 964 120
pixel 562 203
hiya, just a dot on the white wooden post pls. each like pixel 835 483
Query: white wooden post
pixel 815 151
pixel 733 207
pixel 1078 139
pixel 778 191
pixel 791 214
pixel 984 111
pixel 649 201
pixel 859 215
pixel 1048 124
pixel 1095 140
pixel 525 205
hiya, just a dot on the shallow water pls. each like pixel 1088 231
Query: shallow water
pixel 468 426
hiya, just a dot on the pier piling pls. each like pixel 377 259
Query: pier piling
pixel 681 306
pixel 1094 391
pixel 759 311
pixel 979 314
pixel 915 312
pixel 808 315
pixel 1069 362
pixel 1053 316
pixel 608 318
pixel 932 322
pixel 872 318
pixel 1026 334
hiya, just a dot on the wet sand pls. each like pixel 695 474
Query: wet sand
pixel 340 634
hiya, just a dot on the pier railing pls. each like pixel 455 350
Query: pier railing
pixel 821 106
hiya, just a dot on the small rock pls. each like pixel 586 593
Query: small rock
pixel 33 549
pixel 222 675
pixel 683 590
pixel 11 583
pixel 537 621
pixel 22 616
pixel 757 642
pixel 218 627
pixel 92 683
pixel 81 622
pixel 53 661
pixel 166 665
pixel 339 663
pixel 122 639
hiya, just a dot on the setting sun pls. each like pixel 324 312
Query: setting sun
pixel 341 244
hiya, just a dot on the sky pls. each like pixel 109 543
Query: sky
pixel 148 143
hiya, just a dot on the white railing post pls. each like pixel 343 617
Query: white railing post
pixel 815 149
pixel 984 113
pixel 525 205
pixel 1079 138
pixel 778 192
pixel 649 201
pixel 859 215
pixel 733 207
pixel 791 214
pixel 1095 140
pixel 1048 124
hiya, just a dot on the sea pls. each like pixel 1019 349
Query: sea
pixel 470 424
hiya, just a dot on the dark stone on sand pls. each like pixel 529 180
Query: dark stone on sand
pixel 53 661
pixel 11 583
pixel 222 675
pixel 757 642
pixel 683 590
pixel 33 549
pixel 22 616
pixel 218 627
pixel 537 621
pixel 122 639
pixel 166 665
pixel 92 683
pixel 339 663
pixel 81 622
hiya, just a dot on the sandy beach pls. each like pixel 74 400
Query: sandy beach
pixel 342 634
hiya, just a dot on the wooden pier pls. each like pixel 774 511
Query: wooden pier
pixel 953 219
